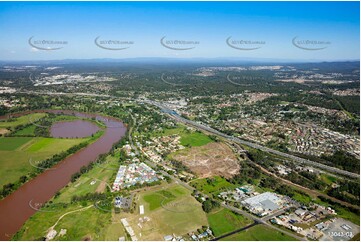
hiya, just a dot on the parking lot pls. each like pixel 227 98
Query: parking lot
pixel 339 230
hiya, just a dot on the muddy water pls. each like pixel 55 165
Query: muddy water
pixel 15 209
pixel 73 129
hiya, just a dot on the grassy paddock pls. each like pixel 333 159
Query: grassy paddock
pixel 15 153
pixel 21 120
pixel 188 138
pixel 168 220
pixel 13 143
pixel 217 185
pixel 224 221
pixel 259 233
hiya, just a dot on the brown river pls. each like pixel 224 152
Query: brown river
pixel 16 208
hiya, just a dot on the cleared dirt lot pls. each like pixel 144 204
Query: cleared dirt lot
pixel 209 160
pixel 3 131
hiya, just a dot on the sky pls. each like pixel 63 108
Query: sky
pixel 276 30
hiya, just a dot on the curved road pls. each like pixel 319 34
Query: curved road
pixel 175 116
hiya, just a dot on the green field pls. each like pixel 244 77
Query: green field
pixel 305 199
pixel 348 215
pixel 181 212
pixel 215 186
pixel 22 120
pixel 224 221
pixel 99 225
pixel 28 131
pixel 328 179
pixel 101 173
pixel 90 223
pixel 195 139
pixel 16 152
pixel 259 233
pixel 13 143
pixel 188 138
pixel 156 199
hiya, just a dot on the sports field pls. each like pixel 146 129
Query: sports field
pixel 259 232
pixel 224 221
pixel 18 153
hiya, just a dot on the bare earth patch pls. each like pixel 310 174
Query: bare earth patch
pixel 3 131
pixel 101 187
pixel 213 159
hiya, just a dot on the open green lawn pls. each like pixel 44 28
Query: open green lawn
pixel 181 212
pixel 305 199
pixel 156 199
pixel 15 153
pixel 215 186
pixel 99 224
pixel 259 233
pixel 90 223
pixel 188 138
pixel 195 139
pixel 29 131
pixel 224 221
pixel 22 120
pixel 328 178
pixel 13 143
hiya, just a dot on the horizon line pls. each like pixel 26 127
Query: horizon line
pixel 192 58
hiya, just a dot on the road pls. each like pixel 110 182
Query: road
pixel 305 189
pixel 234 232
pixel 256 219
pixel 178 181
pixel 175 116
pixel 263 221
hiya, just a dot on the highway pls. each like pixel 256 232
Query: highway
pixel 176 180
pixel 175 116
pixel 257 220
